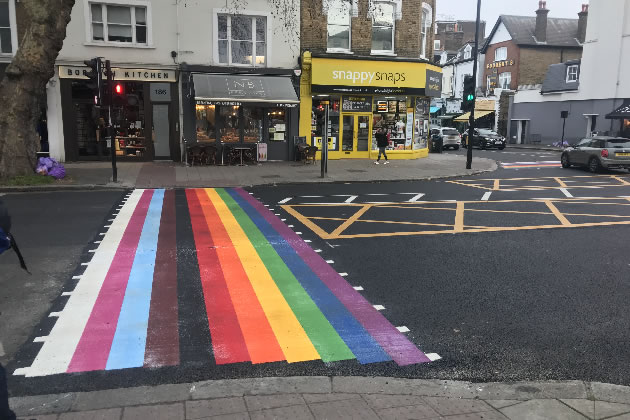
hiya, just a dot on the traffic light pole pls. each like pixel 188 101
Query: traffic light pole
pixel 110 128
pixel 471 122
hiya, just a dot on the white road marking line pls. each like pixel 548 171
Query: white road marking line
pixel 346 274
pixel 566 192
pixel 379 307
pixel 251 193
pixel 85 263
pixel 277 214
pixel 403 329
pixel 107 226
pixel 376 194
pixel 298 233
pixel 318 250
pixel 285 200
pixel 92 250
pixel 312 196
pixel 291 226
pixel 381 202
pixel 351 198
pixel 623 196
pixel 76 277
pixel 54 315
pixel 415 198
pixel 39 339
pixel 486 196
pixel 266 205
pixel 308 241
pixel 330 261
pixel 284 220
pixel 110 220
pixel 449 201
pixel 509 190
pixel 271 209
pixel 433 356
pixel 358 288
pixel 57 352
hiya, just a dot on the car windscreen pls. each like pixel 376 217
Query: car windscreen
pixel 450 132
pixel 618 143
pixel 487 132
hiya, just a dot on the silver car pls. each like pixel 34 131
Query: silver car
pixel 598 153
pixel 450 137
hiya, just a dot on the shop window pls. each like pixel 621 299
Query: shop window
pixel 390 113
pixel 253 128
pixel 206 123
pixel 339 25
pixel 7 27
pixel 436 45
pixel 119 23
pixel 230 117
pixel 505 80
pixel 383 27
pixel 277 124
pixel 242 40
pixel 572 74
pixel 500 54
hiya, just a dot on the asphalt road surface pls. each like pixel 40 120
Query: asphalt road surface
pixel 512 275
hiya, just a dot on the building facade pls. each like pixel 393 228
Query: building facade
pixel 369 62
pixel 594 91
pixel 8 33
pixel 451 35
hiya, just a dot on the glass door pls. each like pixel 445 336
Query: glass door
pixel 347 139
pixel 364 139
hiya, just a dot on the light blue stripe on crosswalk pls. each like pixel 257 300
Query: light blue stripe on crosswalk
pixel 130 338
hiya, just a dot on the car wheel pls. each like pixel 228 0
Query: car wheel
pixel 593 165
pixel 456 147
pixel 501 147
pixel 482 146
pixel 564 160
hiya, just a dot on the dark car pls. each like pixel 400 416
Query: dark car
pixel 484 139
pixel 598 153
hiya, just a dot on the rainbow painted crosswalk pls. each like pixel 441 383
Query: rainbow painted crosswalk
pixel 210 275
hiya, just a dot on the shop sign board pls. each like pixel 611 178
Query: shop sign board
pixel 497 64
pixel 356 104
pixel 160 92
pixel 122 74
pixel 370 76
pixel 484 105
pixel 434 84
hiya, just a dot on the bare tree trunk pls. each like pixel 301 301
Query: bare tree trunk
pixel 23 89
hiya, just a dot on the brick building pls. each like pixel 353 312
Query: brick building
pixel 451 35
pixel 369 61
pixel 520 49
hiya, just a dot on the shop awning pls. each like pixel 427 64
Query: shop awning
pixel 478 114
pixel 236 89
pixel 623 112
pixel 434 109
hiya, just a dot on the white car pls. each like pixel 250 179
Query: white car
pixel 450 137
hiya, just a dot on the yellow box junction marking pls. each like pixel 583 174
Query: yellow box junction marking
pixel 457 211
pixel 493 184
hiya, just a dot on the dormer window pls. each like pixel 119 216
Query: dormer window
pixel 467 52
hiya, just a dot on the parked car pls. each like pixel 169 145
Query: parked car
pixel 450 137
pixel 598 153
pixel 485 139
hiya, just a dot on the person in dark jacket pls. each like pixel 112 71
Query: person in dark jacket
pixel 382 143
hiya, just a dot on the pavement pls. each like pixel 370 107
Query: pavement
pixel 97 175
pixel 336 397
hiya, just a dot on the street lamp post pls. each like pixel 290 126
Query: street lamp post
pixel 471 121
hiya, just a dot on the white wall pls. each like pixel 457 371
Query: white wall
pixel 606 56
pixel 162 34
pixel 501 35
pixel 197 26
pixel 447 75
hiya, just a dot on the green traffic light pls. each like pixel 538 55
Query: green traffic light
pixel 470 97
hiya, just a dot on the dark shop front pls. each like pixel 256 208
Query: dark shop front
pixel 144 115
pixel 230 110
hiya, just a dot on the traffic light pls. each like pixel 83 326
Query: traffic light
pixel 119 89
pixel 95 76
pixel 468 101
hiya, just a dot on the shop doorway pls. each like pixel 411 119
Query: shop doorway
pixel 356 135
pixel 161 126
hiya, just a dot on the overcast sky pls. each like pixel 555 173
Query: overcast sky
pixel 491 9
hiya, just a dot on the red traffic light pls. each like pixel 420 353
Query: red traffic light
pixel 118 89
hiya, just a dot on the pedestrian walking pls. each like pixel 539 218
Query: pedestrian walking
pixel 382 143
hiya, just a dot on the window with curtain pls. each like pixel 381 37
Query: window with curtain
pixel 339 25
pixel 242 40
pixel 383 27
pixel 118 23
pixel 505 79
pixel 500 54
pixel 6 46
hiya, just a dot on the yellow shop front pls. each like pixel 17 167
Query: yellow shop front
pixel 363 95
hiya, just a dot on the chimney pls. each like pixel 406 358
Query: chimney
pixel 582 20
pixel 541 21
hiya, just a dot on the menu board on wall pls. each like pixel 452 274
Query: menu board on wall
pixel 356 104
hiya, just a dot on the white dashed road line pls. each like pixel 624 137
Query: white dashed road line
pixel 486 196
pixel 286 200
pixel 566 192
